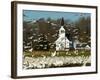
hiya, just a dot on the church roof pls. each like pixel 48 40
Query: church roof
pixel 62 21
pixel 61 39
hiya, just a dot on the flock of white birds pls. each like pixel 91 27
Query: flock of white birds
pixel 46 62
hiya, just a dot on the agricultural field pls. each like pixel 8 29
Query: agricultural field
pixel 55 59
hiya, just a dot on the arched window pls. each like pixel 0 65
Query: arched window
pixel 62 31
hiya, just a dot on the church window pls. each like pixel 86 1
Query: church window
pixel 62 31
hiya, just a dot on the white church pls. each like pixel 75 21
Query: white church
pixel 62 43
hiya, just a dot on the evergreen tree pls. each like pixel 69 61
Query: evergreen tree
pixel 27 37
pixel 42 43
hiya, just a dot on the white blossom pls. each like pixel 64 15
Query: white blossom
pixel 43 62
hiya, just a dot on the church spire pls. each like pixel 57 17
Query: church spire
pixel 62 30
pixel 62 21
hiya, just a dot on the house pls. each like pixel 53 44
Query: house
pixel 62 43
pixel 81 45
pixel 87 47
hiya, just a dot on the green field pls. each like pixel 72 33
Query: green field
pixel 58 53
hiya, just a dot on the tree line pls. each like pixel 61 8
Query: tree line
pixel 41 34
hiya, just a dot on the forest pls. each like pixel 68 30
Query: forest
pixel 42 33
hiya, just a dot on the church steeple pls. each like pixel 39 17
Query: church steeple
pixel 62 21
pixel 62 43
pixel 62 30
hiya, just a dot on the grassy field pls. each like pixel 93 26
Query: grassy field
pixel 58 53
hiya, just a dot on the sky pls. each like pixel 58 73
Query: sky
pixel 29 15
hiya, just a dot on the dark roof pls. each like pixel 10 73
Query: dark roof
pixel 69 36
pixel 62 21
